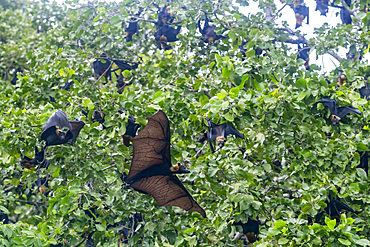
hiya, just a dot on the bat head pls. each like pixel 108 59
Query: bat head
pixel 334 119
pixel 251 237
pixel 202 137
pixel 27 162
pixel 61 134
pixel 98 116
pixel 179 169
pixel 220 141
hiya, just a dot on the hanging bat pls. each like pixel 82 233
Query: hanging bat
pixel 4 218
pixel 52 132
pixel 365 92
pixel 125 65
pixel 322 6
pixel 251 229
pixel 301 12
pixel 133 26
pixel 202 137
pixel 15 77
pixel 151 171
pixel 130 230
pixel 303 54
pixel 164 15
pixel 337 113
pixel 333 208
pixel 103 68
pixel 219 133
pixel 341 78
pixel 131 129
pixel 98 116
pixel 208 32
pixel 120 85
pixel 39 160
pixel 166 34
pixel 345 15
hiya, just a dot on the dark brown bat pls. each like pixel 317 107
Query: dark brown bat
pixel 131 129
pixel 322 6
pixel 341 78
pixel 251 229
pixel 301 12
pixel 337 113
pixel 151 171
pixel 102 67
pixel 208 32
pixel 365 92
pixel 333 208
pixel 303 54
pixel 219 133
pixel 166 34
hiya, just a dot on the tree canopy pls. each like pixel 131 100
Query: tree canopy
pixel 292 165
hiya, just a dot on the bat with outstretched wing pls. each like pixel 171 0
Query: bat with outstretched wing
pixel 219 133
pixel 337 113
pixel 151 171
pixel 333 208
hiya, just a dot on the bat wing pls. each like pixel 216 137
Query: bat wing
pixel 57 120
pixel 152 145
pixel 77 125
pixel 331 104
pixel 230 130
pixel 210 141
pixel 168 191
pixel 342 206
pixel 342 111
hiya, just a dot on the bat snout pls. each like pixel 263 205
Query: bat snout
pixel 220 141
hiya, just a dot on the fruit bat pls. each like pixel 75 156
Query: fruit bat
pixel 133 28
pixel 337 113
pixel 219 133
pixel 98 116
pixel 251 229
pixel 15 77
pixel 303 54
pixel 131 129
pixel 301 12
pixel 322 6
pixel 333 208
pixel 125 65
pixel 365 91
pixel 202 137
pixel 364 161
pixel 164 15
pixel 132 225
pixel 208 32
pixel 258 51
pixel 166 34
pixel 52 131
pixel 38 160
pixel 345 15
pixel 103 68
pixel 341 78
pixel 151 171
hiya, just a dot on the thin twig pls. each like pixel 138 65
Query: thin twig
pixel 108 167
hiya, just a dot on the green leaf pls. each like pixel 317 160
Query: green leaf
pixel 330 223
pixel 361 173
pixel 229 117
pixel 100 227
pixel 283 241
pixel 88 103
pixel 301 83
pixel 56 172
pixel 345 241
pixel 115 19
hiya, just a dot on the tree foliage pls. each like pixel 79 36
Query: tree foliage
pixel 270 99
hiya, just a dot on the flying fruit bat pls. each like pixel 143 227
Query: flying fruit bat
pixel 333 208
pixel 151 171
pixel 131 129
pixel 219 133
pixel 337 113
pixel 251 229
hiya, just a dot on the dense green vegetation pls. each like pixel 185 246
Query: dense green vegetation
pixel 270 99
